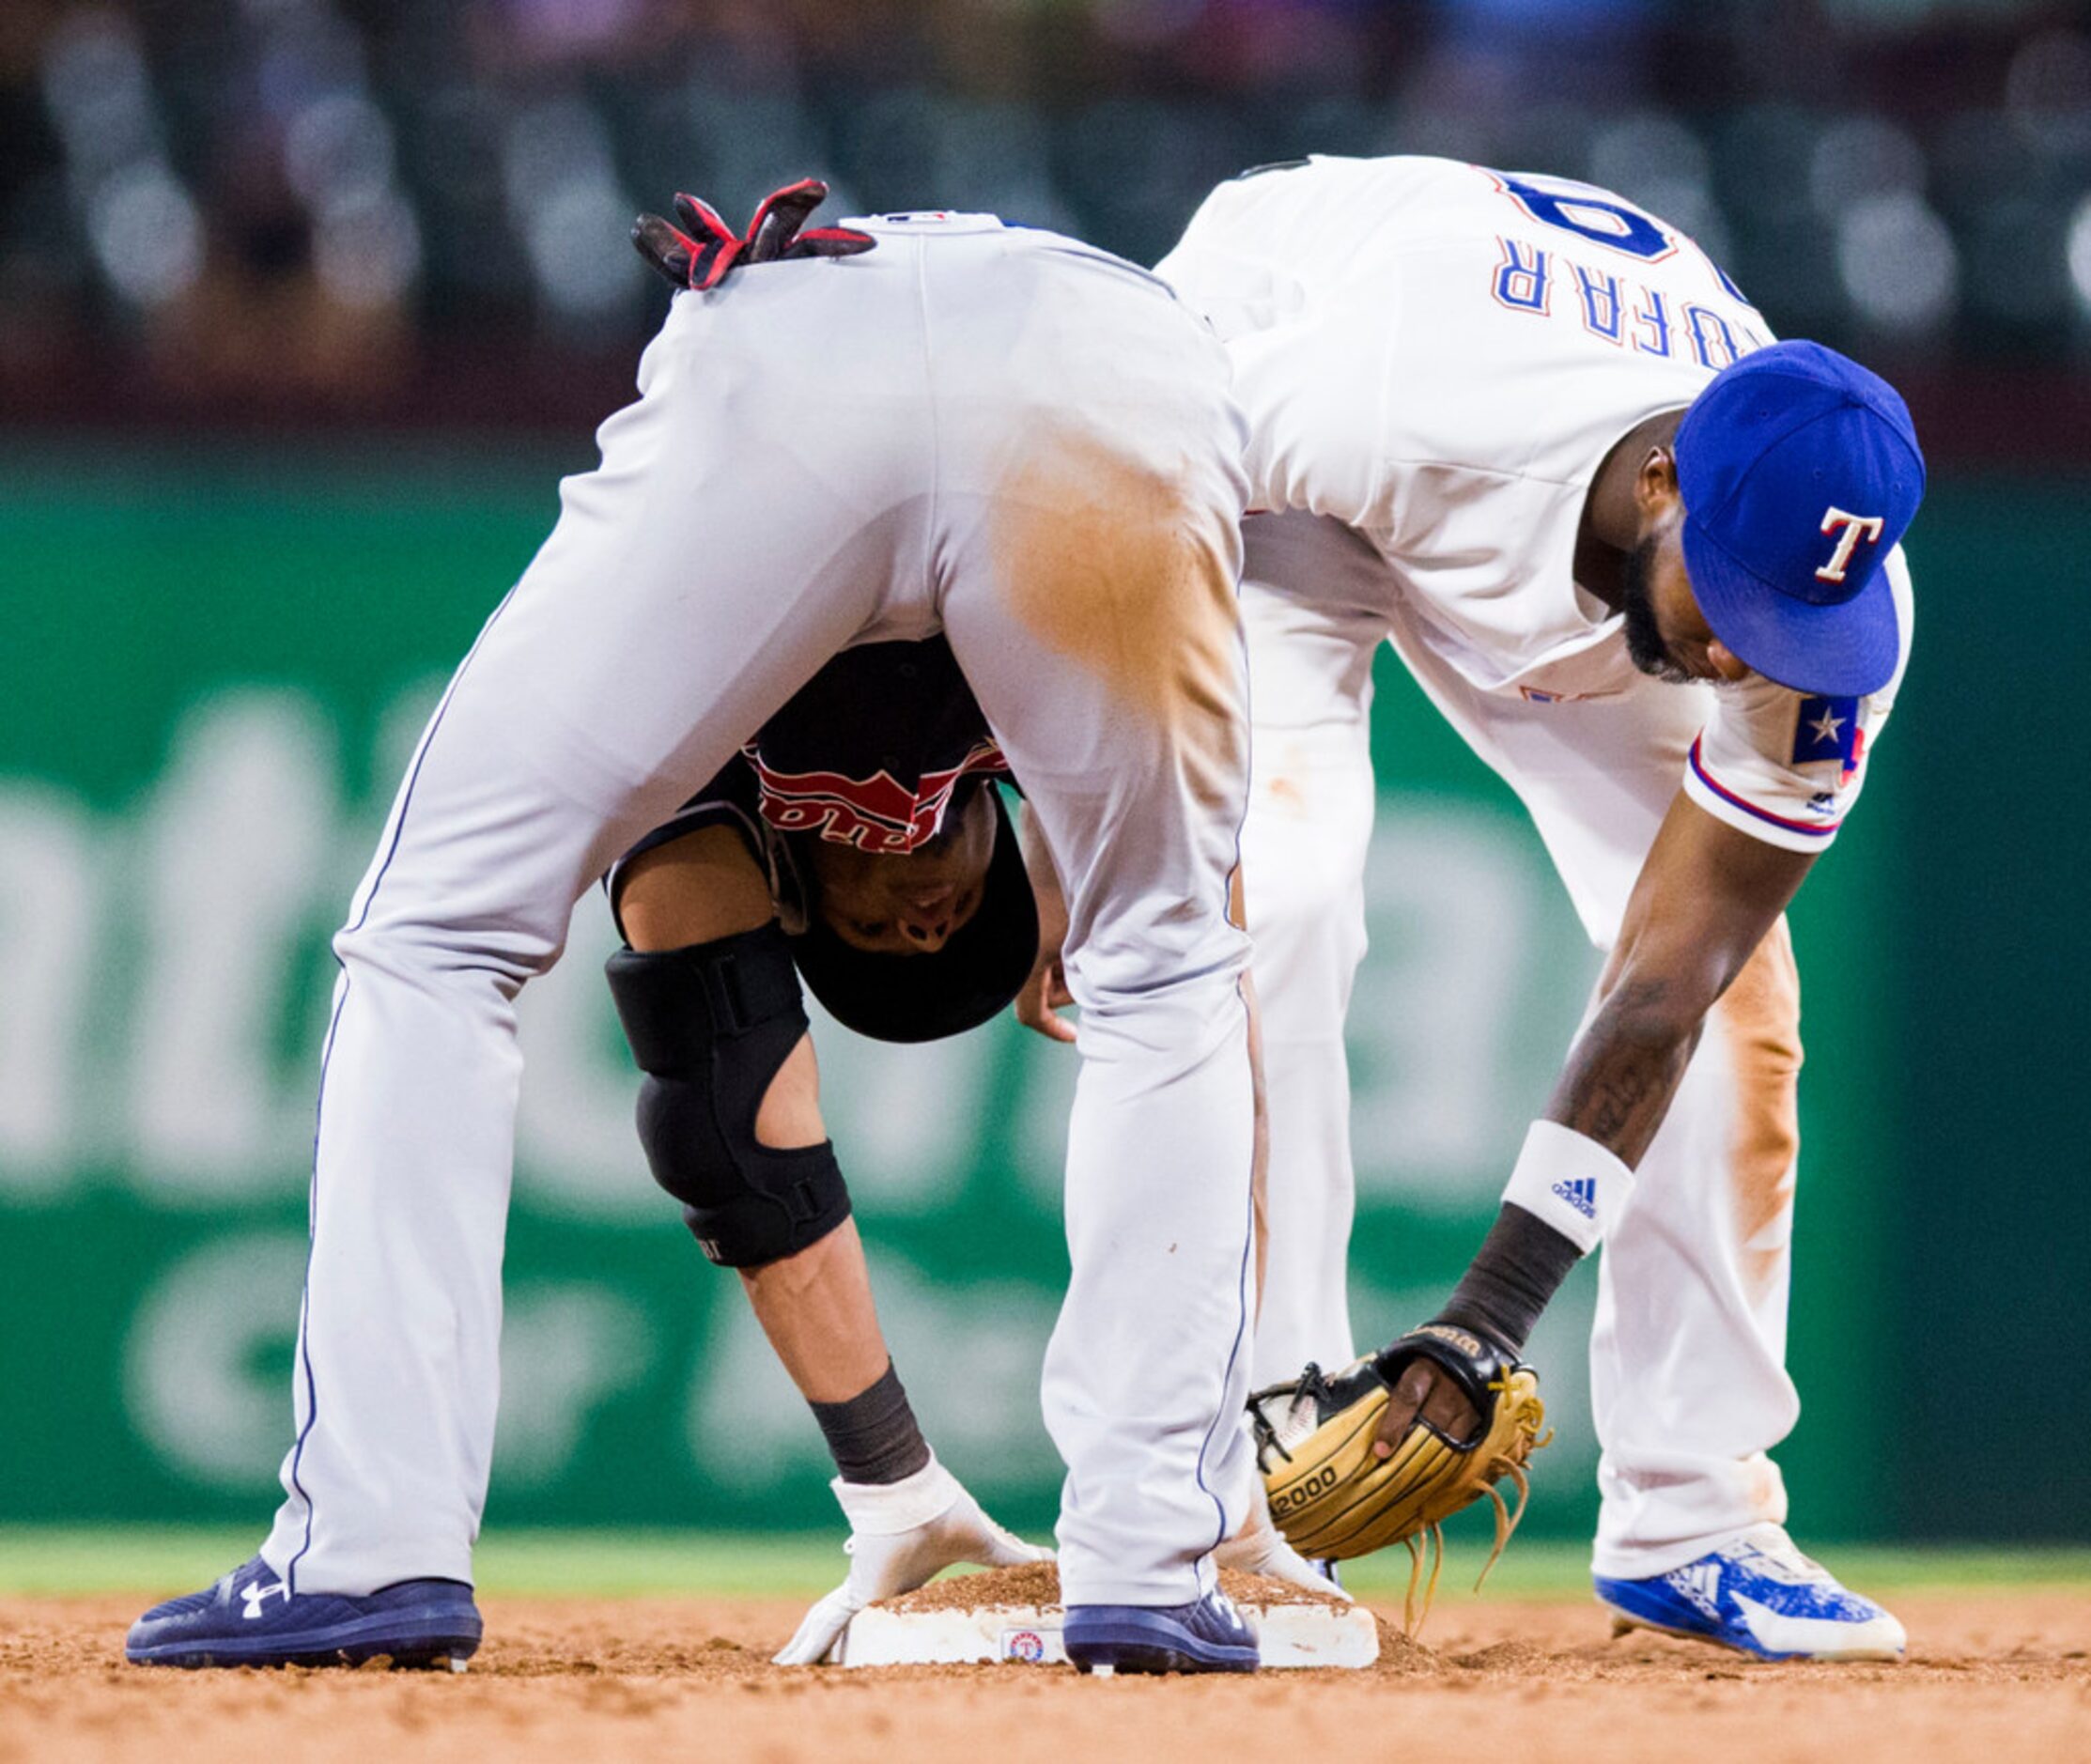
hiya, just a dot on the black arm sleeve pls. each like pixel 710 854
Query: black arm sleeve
pixel 1519 1267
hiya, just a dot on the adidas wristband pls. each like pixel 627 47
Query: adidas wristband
pixel 1567 1180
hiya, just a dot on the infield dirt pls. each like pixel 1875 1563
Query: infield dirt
pixel 1991 1677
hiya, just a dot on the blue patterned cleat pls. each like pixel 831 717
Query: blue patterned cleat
pixel 1759 1595
pixel 1207 1636
pixel 250 1618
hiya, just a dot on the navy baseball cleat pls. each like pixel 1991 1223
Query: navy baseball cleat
pixel 250 1618
pixel 1208 1635
pixel 1760 1595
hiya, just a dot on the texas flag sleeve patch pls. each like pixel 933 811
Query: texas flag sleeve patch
pixel 1827 729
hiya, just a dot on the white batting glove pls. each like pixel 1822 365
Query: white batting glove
pixel 901 1534
pixel 1260 1548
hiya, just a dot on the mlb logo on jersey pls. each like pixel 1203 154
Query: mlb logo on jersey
pixel 1827 729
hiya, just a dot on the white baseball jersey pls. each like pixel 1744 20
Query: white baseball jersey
pixel 1436 359
pixel 1440 357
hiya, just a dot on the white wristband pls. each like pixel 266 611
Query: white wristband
pixel 881 1509
pixel 1571 1182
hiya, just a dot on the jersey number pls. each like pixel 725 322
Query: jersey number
pixel 1601 219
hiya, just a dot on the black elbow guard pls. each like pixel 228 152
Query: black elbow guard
pixel 710 1025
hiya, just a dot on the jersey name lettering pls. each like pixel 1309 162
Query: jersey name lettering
pixel 1652 336
pixel 1601 307
pixel 1523 282
pixel 1596 216
pixel 1522 278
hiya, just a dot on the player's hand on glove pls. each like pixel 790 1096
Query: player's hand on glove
pixel 1259 1548
pixel 1424 1391
pixel 703 251
pixel 1387 1449
pixel 900 1535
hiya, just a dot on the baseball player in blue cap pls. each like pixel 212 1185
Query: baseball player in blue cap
pixel 1646 560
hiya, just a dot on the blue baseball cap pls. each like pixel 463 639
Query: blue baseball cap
pixel 1799 470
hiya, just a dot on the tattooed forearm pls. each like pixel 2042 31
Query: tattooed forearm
pixel 1704 899
pixel 1626 1065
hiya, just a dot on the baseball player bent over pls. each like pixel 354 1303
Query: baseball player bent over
pixel 1646 561
pixel 861 833
pixel 861 827
pixel 1000 435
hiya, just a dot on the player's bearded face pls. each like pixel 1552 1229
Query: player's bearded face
pixel 912 905
pixel 1660 612
pixel 1644 632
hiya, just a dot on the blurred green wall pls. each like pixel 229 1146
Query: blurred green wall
pixel 216 664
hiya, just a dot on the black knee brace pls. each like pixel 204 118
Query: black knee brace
pixel 709 1025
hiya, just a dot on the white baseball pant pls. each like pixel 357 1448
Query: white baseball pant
pixel 996 433
pixel 1687 1355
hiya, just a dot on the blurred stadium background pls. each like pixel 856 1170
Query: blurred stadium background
pixel 304 304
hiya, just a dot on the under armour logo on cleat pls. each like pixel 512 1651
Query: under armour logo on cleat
pixel 253 1592
pixel 1580 1192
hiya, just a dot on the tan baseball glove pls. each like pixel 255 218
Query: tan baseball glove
pixel 1332 1497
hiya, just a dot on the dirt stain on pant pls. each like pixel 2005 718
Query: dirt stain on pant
pixel 1118 567
pixel 1761 1016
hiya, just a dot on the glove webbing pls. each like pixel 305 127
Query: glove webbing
pixel 1416 1461
pixel 1507 1520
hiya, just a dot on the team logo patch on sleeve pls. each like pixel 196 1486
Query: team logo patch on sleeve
pixel 1827 729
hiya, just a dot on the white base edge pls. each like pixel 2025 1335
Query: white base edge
pixel 1289 1635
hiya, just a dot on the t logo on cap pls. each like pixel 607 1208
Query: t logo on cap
pixel 1790 429
pixel 1855 527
